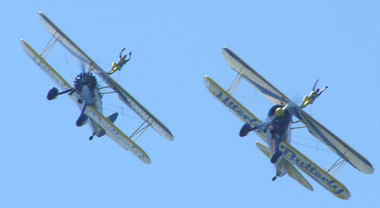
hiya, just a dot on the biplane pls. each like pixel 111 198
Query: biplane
pixel 276 130
pixel 86 94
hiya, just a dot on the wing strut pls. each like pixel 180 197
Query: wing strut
pixel 234 84
pixel 49 46
pixel 140 130
pixel 337 164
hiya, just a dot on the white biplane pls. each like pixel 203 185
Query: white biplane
pixel 86 94
pixel 276 130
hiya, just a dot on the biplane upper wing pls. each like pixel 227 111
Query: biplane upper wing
pixel 90 64
pixel 111 130
pixel 231 103
pixel 242 68
pixel 332 141
pixel 66 42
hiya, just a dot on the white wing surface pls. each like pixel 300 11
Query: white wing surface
pixel 292 171
pixel 314 171
pixel 268 90
pixel 90 64
pixel 332 141
pixel 118 136
pixel 136 106
pixel 45 66
pixel 66 42
pixel 111 130
pixel 234 106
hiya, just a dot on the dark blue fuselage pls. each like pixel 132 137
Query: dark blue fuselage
pixel 278 130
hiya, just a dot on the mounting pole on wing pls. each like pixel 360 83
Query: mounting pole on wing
pixel 122 61
pixel 313 95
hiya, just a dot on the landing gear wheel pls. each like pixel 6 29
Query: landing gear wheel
pixel 245 130
pixel 275 157
pixel 91 137
pixel 81 120
pixel 274 178
pixel 52 94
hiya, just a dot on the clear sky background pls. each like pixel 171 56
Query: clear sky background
pixel 46 161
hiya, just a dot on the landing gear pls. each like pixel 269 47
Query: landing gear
pixel 82 118
pixel 275 157
pixel 245 130
pixel 274 178
pixel 53 93
pixel 92 136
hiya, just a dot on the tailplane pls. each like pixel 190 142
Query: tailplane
pixel 111 118
pixel 296 175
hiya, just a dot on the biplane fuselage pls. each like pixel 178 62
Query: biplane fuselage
pixel 86 85
pixel 277 130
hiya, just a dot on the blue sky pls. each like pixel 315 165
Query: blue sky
pixel 46 161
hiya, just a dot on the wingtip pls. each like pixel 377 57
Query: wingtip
pixel 207 80
pixel 170 137
pixel 23 43
pixel 225 49
pixel 148 162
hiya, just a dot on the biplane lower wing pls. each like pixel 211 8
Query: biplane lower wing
pixel 118 136
pixel 332 141
pixel 90 64
pixel 232 104
pixel 292 171
pixel 111 130
pixel 243 69
pixel 311 169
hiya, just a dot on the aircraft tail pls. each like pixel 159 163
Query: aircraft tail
pixel 296 175
pixel 111 118
pixel 263 149
pixel 292 171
